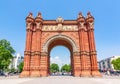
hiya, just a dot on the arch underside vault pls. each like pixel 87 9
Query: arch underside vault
pixel 76 35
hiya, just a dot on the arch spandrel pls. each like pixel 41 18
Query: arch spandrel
pixel 62 37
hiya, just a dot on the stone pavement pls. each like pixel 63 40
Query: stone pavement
pixel 60 80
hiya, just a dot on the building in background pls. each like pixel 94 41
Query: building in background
pixel 16 61
pixel 105 64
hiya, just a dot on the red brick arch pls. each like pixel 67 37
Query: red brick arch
pixel 76 35
pixel 60 39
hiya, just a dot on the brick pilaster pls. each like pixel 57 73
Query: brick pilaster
pixel 27 53
pixel 82 42
pixel 93 55
pixel 36 46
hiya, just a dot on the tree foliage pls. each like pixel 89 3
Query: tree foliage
pixel 6 52
pixel 20 67
pixel 66 68
pixel 6 44
pixel 5 57
pixel 116 63
pixel 54 68
pixel 12 70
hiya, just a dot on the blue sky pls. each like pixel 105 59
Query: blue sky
pixel 105 12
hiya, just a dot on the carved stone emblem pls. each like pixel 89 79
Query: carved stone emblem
pixel 60 27
pixel 91 24
pixel 60 20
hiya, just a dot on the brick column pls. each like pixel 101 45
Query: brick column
pixel 44 64
pixel 90 27
pixel 27 53
pixel 83 54
pixel 33 57
pixel 76 64
pixel 37 46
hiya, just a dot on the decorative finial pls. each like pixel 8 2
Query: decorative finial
pixel 30 15
pixel 89 15
pixel 80 15
pixel 39 15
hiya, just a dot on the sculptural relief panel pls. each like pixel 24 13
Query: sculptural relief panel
pixel 60 27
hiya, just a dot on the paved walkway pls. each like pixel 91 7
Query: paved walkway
pixel 60 80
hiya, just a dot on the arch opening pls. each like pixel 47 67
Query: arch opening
pixel 60 56
pixel 61 42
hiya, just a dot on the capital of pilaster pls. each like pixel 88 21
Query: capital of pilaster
pixel 38 26
pixel 93 52
pixel 28 29
pixel 83 53
pixel 76 53
pixel 44 54
pixel 27 52
pixel 37 53
pixel 32 53
pixel 81 29
pixel 90 26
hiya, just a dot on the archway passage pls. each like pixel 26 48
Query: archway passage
pixel 77 35
pixel 60 61
pixel 62 42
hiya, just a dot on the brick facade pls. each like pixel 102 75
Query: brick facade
pixel 77 35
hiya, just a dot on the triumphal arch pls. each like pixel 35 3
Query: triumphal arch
pixel 77 35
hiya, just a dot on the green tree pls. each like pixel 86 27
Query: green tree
pixel 116 63
pixel 12 70
pixel 6 44
pixel 6 56
pixel 66 68
pixel 20 67
pixel 54 68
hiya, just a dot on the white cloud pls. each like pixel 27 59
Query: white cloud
pixel 59 61
pixel 56 60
